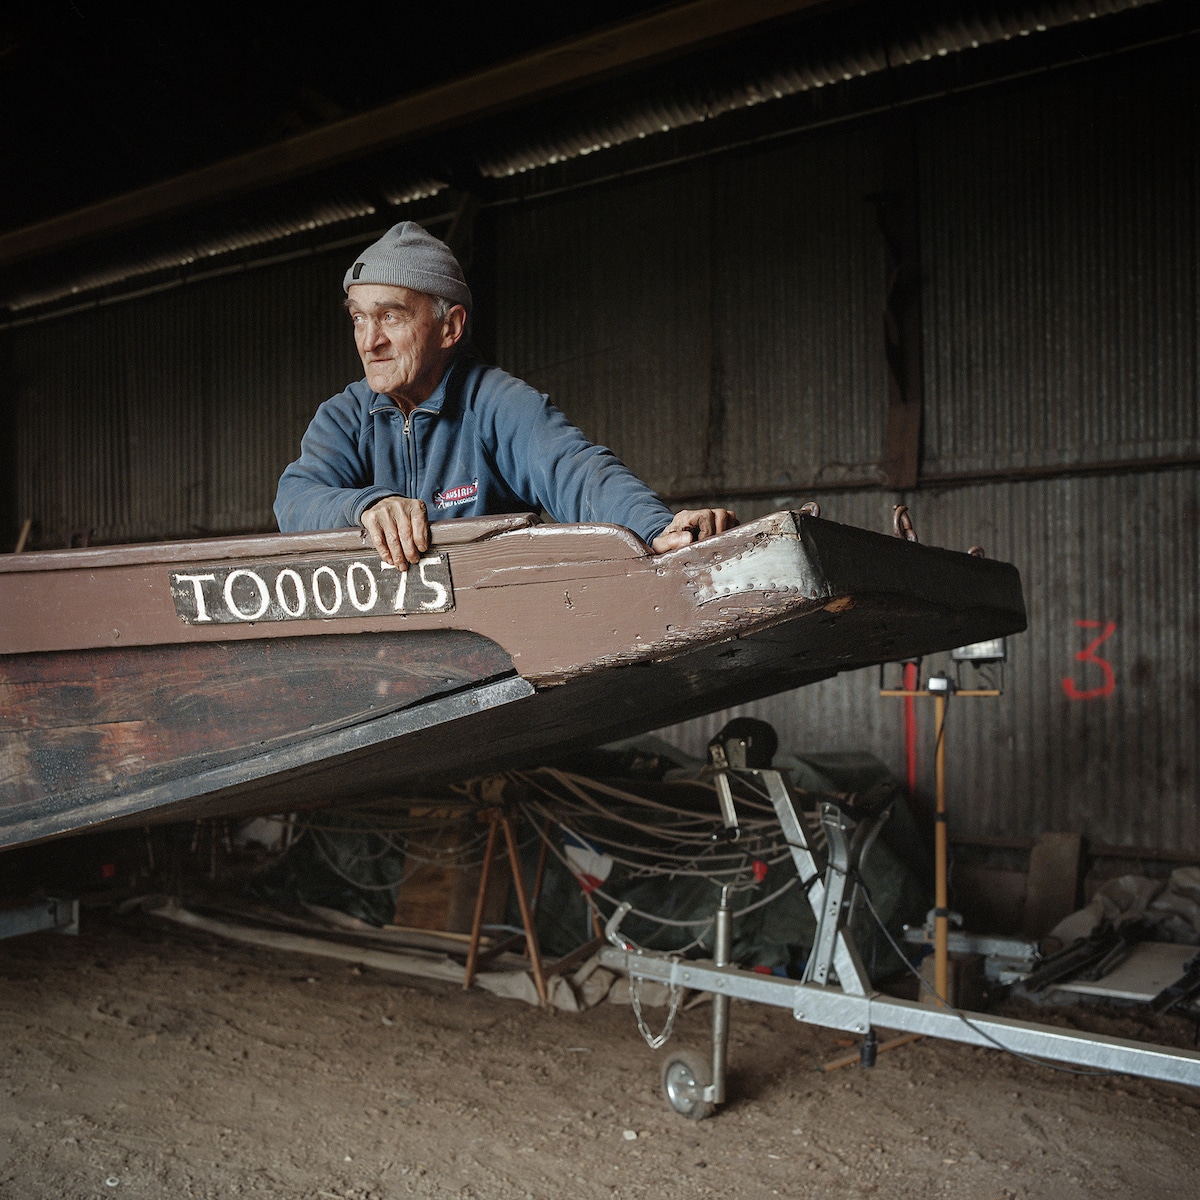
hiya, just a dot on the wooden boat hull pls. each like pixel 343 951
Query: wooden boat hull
pixel 139 685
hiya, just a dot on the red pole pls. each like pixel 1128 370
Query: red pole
pixel 910 729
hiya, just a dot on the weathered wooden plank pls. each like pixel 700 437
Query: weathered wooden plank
pixel 1052 890
pixel 166 707
pixel 227 682
pixel 291 775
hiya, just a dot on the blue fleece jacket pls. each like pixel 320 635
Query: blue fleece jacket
pixel 484 443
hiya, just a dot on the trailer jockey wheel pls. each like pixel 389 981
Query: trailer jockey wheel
pixel 685 1077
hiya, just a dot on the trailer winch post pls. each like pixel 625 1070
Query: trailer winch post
pixel 722 944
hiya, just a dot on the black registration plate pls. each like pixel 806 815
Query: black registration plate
pixel 310 590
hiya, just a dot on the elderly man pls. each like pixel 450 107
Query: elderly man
pixel 431 433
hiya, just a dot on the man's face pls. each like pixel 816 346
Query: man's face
pixel 404 348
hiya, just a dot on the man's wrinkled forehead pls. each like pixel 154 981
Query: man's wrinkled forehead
pixel 378 297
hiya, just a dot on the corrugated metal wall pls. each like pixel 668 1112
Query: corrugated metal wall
pixel 719 324
pixel 1059 226
pixel 175 413
pixel 1060 237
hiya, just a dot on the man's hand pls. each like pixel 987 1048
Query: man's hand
pixel 399 530
pixel 693 525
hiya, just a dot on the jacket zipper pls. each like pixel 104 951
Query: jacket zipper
pixel 411 451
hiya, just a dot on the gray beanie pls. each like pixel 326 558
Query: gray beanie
pixel 407 256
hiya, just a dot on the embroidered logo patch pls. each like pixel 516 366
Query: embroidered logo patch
pixel 451 497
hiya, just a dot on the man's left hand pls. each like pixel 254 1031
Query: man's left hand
pixel 693 525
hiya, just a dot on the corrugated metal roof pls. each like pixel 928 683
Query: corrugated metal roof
pixel 331 213
pixel 285 225
pixel 972 26
pixel 677 106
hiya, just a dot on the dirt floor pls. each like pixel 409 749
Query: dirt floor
pixel 145 1060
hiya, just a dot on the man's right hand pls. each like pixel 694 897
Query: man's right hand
pixel 399 530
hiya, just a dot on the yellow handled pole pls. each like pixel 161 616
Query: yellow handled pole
pixel 941 912
pixel 941 920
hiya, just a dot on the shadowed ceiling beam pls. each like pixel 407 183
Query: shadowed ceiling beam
pixel 637 43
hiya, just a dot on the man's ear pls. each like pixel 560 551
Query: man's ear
pixel 454 326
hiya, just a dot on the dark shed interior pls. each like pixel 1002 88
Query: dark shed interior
pixel 730 267
pixel 942 254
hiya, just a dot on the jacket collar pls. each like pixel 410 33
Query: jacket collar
pixel 434 404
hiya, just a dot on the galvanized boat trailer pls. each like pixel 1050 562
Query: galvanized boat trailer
pixel 835 991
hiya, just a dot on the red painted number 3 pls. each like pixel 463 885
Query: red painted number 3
pixel 1088 655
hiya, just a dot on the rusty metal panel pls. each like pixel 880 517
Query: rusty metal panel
pixel 719 326
pixel 1060 238
pixel 174 414
pixel 1115 757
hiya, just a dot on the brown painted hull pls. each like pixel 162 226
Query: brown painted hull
pixel 136 688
